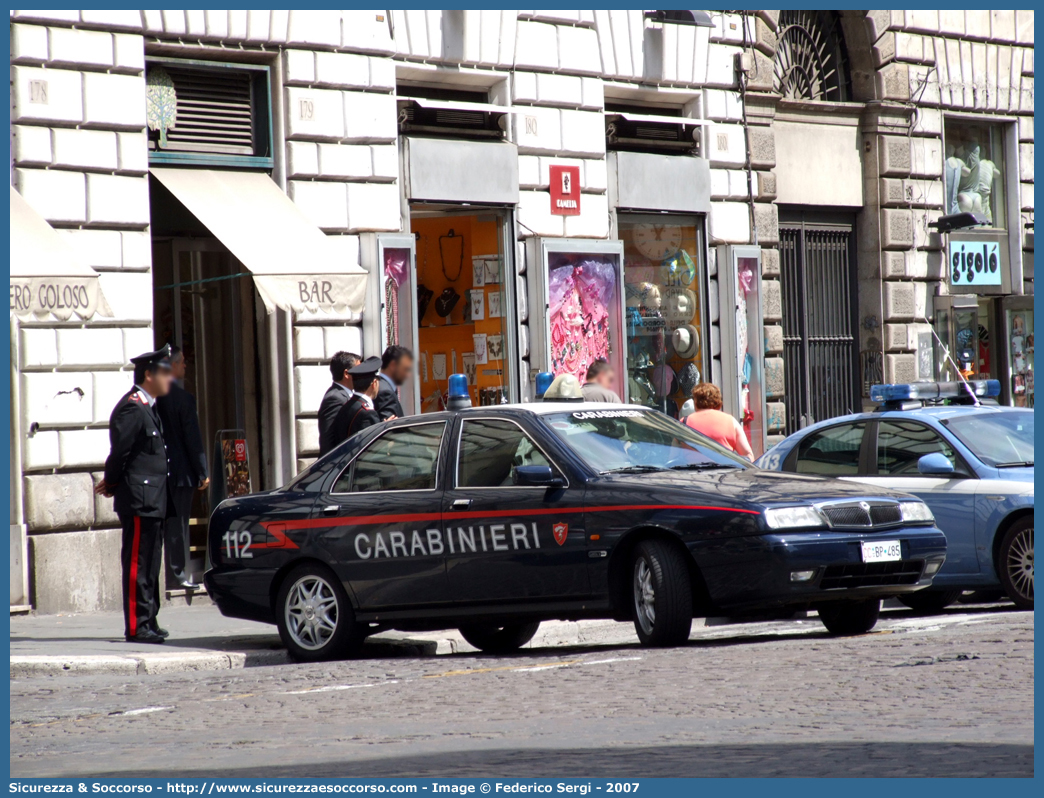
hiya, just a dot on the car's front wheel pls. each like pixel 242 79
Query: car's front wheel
pixel 1015 563
pixel 314 615
pixel 662 594
pixel 929 601
pixel 495 639
pixel 850 617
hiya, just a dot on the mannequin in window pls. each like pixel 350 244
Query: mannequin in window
pixel 968 198
pixel 954 171
pixel 988 172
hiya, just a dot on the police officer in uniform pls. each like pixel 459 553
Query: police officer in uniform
pixel 136 476
pixel 358 412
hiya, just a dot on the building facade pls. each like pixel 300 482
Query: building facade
pixel 744 198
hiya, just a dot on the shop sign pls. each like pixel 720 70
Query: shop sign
pixel 974 263
pixel 58 296
pixel 565 190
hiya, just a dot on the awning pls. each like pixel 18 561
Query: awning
pixel 48 276
pixel 295 265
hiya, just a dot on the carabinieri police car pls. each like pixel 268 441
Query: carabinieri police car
pixel 493 519
pixel 970 461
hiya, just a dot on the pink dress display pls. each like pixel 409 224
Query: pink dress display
pixel 579 299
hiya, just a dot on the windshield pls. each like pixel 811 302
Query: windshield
pixel 1000 439
pixel 637 440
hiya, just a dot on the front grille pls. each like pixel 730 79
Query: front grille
pixel 847 516
pixel 882 514
pixel 871 574
pixel 862 515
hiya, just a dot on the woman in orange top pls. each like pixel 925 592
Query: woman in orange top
pixel 716 425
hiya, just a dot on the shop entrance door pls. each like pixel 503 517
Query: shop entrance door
pixel 204 303
pixel 819 319
pixel 465 303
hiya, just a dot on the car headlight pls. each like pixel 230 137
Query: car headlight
pixel 793 517
pixel 916 513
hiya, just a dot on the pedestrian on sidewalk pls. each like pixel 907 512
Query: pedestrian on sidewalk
pixel 601 383
pixel 359 412
pixel 136 473
pixel 339 392
pixel 719 426
pixel 396 365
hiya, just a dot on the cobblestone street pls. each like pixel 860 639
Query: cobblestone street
pixel 949 695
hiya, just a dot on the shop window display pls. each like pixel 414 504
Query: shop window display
pixel 664 309
pixel 461 308
pixel 581 311
pixel 972 170
pixel 1020 356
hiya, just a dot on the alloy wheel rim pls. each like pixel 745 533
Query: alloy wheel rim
pixel 644 596
pixel 311 612
pixel 1020 563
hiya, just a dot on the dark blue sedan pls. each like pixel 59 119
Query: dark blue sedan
pixel 493 519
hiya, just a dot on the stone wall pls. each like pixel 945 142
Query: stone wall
pixel 978 63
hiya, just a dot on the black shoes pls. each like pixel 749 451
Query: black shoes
pixel 161 632
pixel 146 636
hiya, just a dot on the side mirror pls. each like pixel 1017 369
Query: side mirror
pixel 536 476
pixel 935 464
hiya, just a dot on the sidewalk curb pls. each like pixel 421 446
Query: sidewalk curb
pixel 30 667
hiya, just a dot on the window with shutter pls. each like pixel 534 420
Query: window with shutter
pixel 208 113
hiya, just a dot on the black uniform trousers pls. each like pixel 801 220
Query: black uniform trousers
pixel 141 557
pixel 176 534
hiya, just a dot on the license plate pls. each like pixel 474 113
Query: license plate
pixel 882 551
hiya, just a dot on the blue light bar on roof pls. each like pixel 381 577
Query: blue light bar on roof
pixel 933 390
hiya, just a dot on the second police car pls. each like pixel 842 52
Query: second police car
pixel 493 519
pixel 969 460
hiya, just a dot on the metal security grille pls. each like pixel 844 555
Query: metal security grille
pixel 819 345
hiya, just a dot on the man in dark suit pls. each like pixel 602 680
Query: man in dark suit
pixel 136 474
pixel 336 395
pixel 358 412
pixel 396 365
pixel 188 468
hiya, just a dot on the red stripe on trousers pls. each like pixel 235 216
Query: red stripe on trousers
pixel 132 594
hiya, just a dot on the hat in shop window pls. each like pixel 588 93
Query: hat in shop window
pixel 686 341
pixel 688 378
pixel 650 296
pixel 680 305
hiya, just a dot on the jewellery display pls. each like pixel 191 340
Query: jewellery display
pixel 447 244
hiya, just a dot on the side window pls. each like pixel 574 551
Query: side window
pixel 900 444
pixel 402 459
pixel 491 450
pixel 831 452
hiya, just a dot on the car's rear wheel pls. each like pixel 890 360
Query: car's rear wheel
pixel 314 615
pixel 662 594
pixel 850 617
pixel 1015 563
pixel 495 639
pixel 928 601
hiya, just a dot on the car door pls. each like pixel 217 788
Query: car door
pixel 386 517
pixel 505 542
pixel 896 446
pixel 829 452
